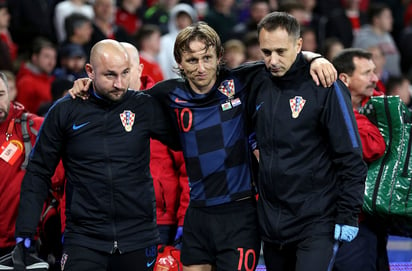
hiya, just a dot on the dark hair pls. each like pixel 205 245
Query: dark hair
pixel 375 9
pixel 39 44
pixel 197 31
pixel 144 32
pixel 276 19
pixel 343 61
pixel 329 42
pixel 393 82
pixel 289 6
pixel 306 29
pixel 251 38
pixel 255 2
pixel 73 22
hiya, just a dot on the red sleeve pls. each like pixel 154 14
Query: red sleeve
pixel 27 97
pixel 183 186
pixel 373 143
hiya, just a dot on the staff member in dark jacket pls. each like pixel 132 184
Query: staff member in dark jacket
pixel 311 172
pixel 104 144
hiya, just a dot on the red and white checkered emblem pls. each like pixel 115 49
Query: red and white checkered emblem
pixel 296 105
pixel 227 87
pixel 127 118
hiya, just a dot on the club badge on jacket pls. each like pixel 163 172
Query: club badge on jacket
pixel 127 118
pixel 296 105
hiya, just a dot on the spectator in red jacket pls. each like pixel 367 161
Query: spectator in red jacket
pixel 128 15
pixel 34 77
pixel 148 43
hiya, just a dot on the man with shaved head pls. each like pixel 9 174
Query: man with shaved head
pixel 136 68
pixel 104 145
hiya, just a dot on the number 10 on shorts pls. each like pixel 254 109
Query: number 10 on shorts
pixel 246 258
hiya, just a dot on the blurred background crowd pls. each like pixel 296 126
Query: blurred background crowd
pixel 44 44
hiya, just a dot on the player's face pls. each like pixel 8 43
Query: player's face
pixel 4 101
pixel 279 50
pixel 200 66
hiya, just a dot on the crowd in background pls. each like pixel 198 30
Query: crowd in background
pixel 41 41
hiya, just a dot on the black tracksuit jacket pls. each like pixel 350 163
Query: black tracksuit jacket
pixel 104 147
pixel 311 171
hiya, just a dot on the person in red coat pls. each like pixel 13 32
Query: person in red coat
pixel 12 158
pixel 34 78
pixel 148 42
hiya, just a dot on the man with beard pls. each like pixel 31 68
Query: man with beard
pixel 104 145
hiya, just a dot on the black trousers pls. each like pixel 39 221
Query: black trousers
pixel 314 253
pixel 77 258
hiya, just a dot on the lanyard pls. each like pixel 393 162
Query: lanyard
pixel 10 128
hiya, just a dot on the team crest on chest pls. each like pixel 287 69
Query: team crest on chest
pixel 296 105
pixel 127 118
pixel 227 88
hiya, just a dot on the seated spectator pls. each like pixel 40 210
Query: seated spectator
pixel 251 42
pixel 294 8
pixel 222 17
pixel 72 60
pixel 314 20
pixel 308 35
pixel 378 33
pixel 128 15
pixel 66 8
pixel 8 49
pixel 258 10
pixel 400 86
pixel 34 77
pixel 148 44
pixel 79 31
pixel 345 21
pixel 158 14
pixel 331 47
pixel 181 15
pixel 379 59
pixel 234 53
pixel 104 23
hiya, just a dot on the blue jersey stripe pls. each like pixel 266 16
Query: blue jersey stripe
pixel 346 116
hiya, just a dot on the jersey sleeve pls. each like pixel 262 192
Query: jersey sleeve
pixel 43 161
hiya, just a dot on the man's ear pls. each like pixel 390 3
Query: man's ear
pixel 344 77
pixel 140 69
pixel 299 44
pixel 89 70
